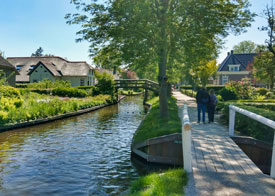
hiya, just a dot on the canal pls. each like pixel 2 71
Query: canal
pixel 85 155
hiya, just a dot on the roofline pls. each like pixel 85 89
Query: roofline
pixel 49 57
pixel 40 62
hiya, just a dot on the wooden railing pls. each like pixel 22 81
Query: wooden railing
pixel 146 84
pixel 232 112
pixel 186 140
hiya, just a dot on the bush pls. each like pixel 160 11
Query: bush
pixel 262 91
pixel 105 85
pixel 250 127
pixel 47 84
pixel 227 94
pixel 10 92
pixel 69 92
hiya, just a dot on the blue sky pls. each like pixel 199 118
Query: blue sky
pixel 28 24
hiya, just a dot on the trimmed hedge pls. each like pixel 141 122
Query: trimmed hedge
pixel 69 92
pixel 250 127
pixel 216 88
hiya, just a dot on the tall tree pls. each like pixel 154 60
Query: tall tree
pixel 160 33
pixel 245 47
pixel 38 52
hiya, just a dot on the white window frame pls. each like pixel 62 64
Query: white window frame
pixel 232 68
pixel 224 79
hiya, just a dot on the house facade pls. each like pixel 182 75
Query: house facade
pixel 9 71
pixel 235 67
pixel 35 69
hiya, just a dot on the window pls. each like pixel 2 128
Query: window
pixel 32 67
pixel 224 79
pixel 81 82
pixel 234 67
pixel 18 67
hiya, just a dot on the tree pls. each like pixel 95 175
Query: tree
pixel 38 52
pixel 204 71
pixel 164 34
pixel 264 68
pixel 245 47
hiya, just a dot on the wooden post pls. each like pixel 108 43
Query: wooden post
pixel 231 121
pixel 186 141
pixel 272 169
pixel 146 92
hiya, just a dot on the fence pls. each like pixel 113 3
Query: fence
pixel 186 140
pixel 232 112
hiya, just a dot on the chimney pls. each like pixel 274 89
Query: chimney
pixel 232 51
pixel 228 53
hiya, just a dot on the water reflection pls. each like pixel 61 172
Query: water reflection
pixel 83 155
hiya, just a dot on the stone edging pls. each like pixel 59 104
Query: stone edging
pixel 53 118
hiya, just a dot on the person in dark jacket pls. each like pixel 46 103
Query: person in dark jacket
pixel 203 99
pixel 212 105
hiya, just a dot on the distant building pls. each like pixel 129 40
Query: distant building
pixel 9 70
pixel 35 69
pixel 235 67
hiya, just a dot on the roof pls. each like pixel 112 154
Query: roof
pixel 237 59
pixel 56 65
pixel 6 65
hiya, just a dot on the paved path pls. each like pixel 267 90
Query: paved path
pixel 220 167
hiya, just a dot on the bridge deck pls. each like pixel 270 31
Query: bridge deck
pixel 220 167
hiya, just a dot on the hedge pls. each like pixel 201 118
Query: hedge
pixel 69 92
pixel 250 127
pixel 216 88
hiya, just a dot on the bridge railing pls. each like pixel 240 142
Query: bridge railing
pixel 232 112
pixel 186 140
pixel 142 83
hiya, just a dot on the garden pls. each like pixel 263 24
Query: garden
pixel 241 94
pixel 47 99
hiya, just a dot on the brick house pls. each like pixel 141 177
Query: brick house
pixel 235 67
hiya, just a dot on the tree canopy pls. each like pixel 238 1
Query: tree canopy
pixel 245 47
pixel 160 35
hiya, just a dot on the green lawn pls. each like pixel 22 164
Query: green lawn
pixel 169 183
pixel 154 126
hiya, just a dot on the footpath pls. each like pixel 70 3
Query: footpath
pixel 220 167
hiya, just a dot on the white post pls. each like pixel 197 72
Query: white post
pixel 272 169
pixel 231 121
pixel 186 141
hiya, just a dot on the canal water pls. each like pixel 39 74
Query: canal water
pixel 85 155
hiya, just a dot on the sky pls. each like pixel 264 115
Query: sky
pixel 25 25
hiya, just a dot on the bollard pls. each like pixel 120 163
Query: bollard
pixel 186 141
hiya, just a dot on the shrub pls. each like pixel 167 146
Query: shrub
pixel 242 89
pixel 69 92
pixel 46 84
pixel 8 91
pixel 227 94
pixel 106 83
pixel 262 91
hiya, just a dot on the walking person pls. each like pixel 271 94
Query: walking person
pixel 212 105
pixel 202 99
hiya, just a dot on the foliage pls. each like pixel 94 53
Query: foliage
pixel 9 92
pixel 262 91
pixel 154 126
pixel 48 84
pixel 3 79
pixel 245 47
pixel 69 92
pixel 227 94
pixel 170 182
pixel 127 74
pixel 204 71
pixel 161 35
pixel 250 127
pixel 264 68
pixel 35 106
pixel 190 93
pixel 242 89
pixel 106 83
pixel 38 52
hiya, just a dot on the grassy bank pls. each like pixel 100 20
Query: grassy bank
pixel 154 126
pixel 169 183
pixel 33 106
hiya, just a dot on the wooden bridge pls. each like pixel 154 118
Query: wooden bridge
pixel 216 164
pixel 137 84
